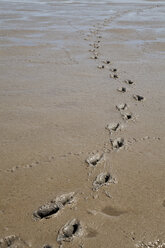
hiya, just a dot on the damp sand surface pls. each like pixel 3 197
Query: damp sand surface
pixel 55 104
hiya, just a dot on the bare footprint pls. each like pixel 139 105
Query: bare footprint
pixel 94 159
pixel 138 98
pixel 54 206
pixel 103 178
pixel 70 230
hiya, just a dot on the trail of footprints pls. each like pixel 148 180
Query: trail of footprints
pixel 74 228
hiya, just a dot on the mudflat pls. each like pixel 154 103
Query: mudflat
pixel 82 123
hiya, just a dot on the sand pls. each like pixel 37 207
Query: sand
pixel 59 94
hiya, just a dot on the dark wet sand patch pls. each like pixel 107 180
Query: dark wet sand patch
pixel 163 203
pixel 91 233
pixel 112 211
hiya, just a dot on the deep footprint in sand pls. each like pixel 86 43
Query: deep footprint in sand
pixel 114 75
pixel 13 241
pixel 54 206
pixel 100 66
pixel 70 230
pixel 121 89
pixel 94 159
pixel 94 57
pixel 121 106
pixel 113 127
pixel 107 62
pixel 128 81
pixel 127 116
pixel 138 98
pixel 113 70
pixel 117 143
pixel 103 178
pixel 111 211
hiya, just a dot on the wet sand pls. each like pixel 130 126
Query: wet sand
pixel 58 94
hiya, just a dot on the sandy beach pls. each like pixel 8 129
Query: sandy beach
pixel 82 115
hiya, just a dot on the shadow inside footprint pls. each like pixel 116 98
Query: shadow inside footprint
pixel 112 211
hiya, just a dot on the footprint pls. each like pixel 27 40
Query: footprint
pixel 13 241
pixel 95 45
pixel 127 116
pixel 112 211
pixel 117 143
pixel 106 62
pixel 138 98
pixel 94 57
pixel 102 179
pixel 69 231
pixel 122 89
pixel 113 70
pixel 112 127
pixel 128 81
pixel 92 50
pixel 121 106
pixel 94 159
pixel 115 76
pixel 100 66
pixel 54 206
